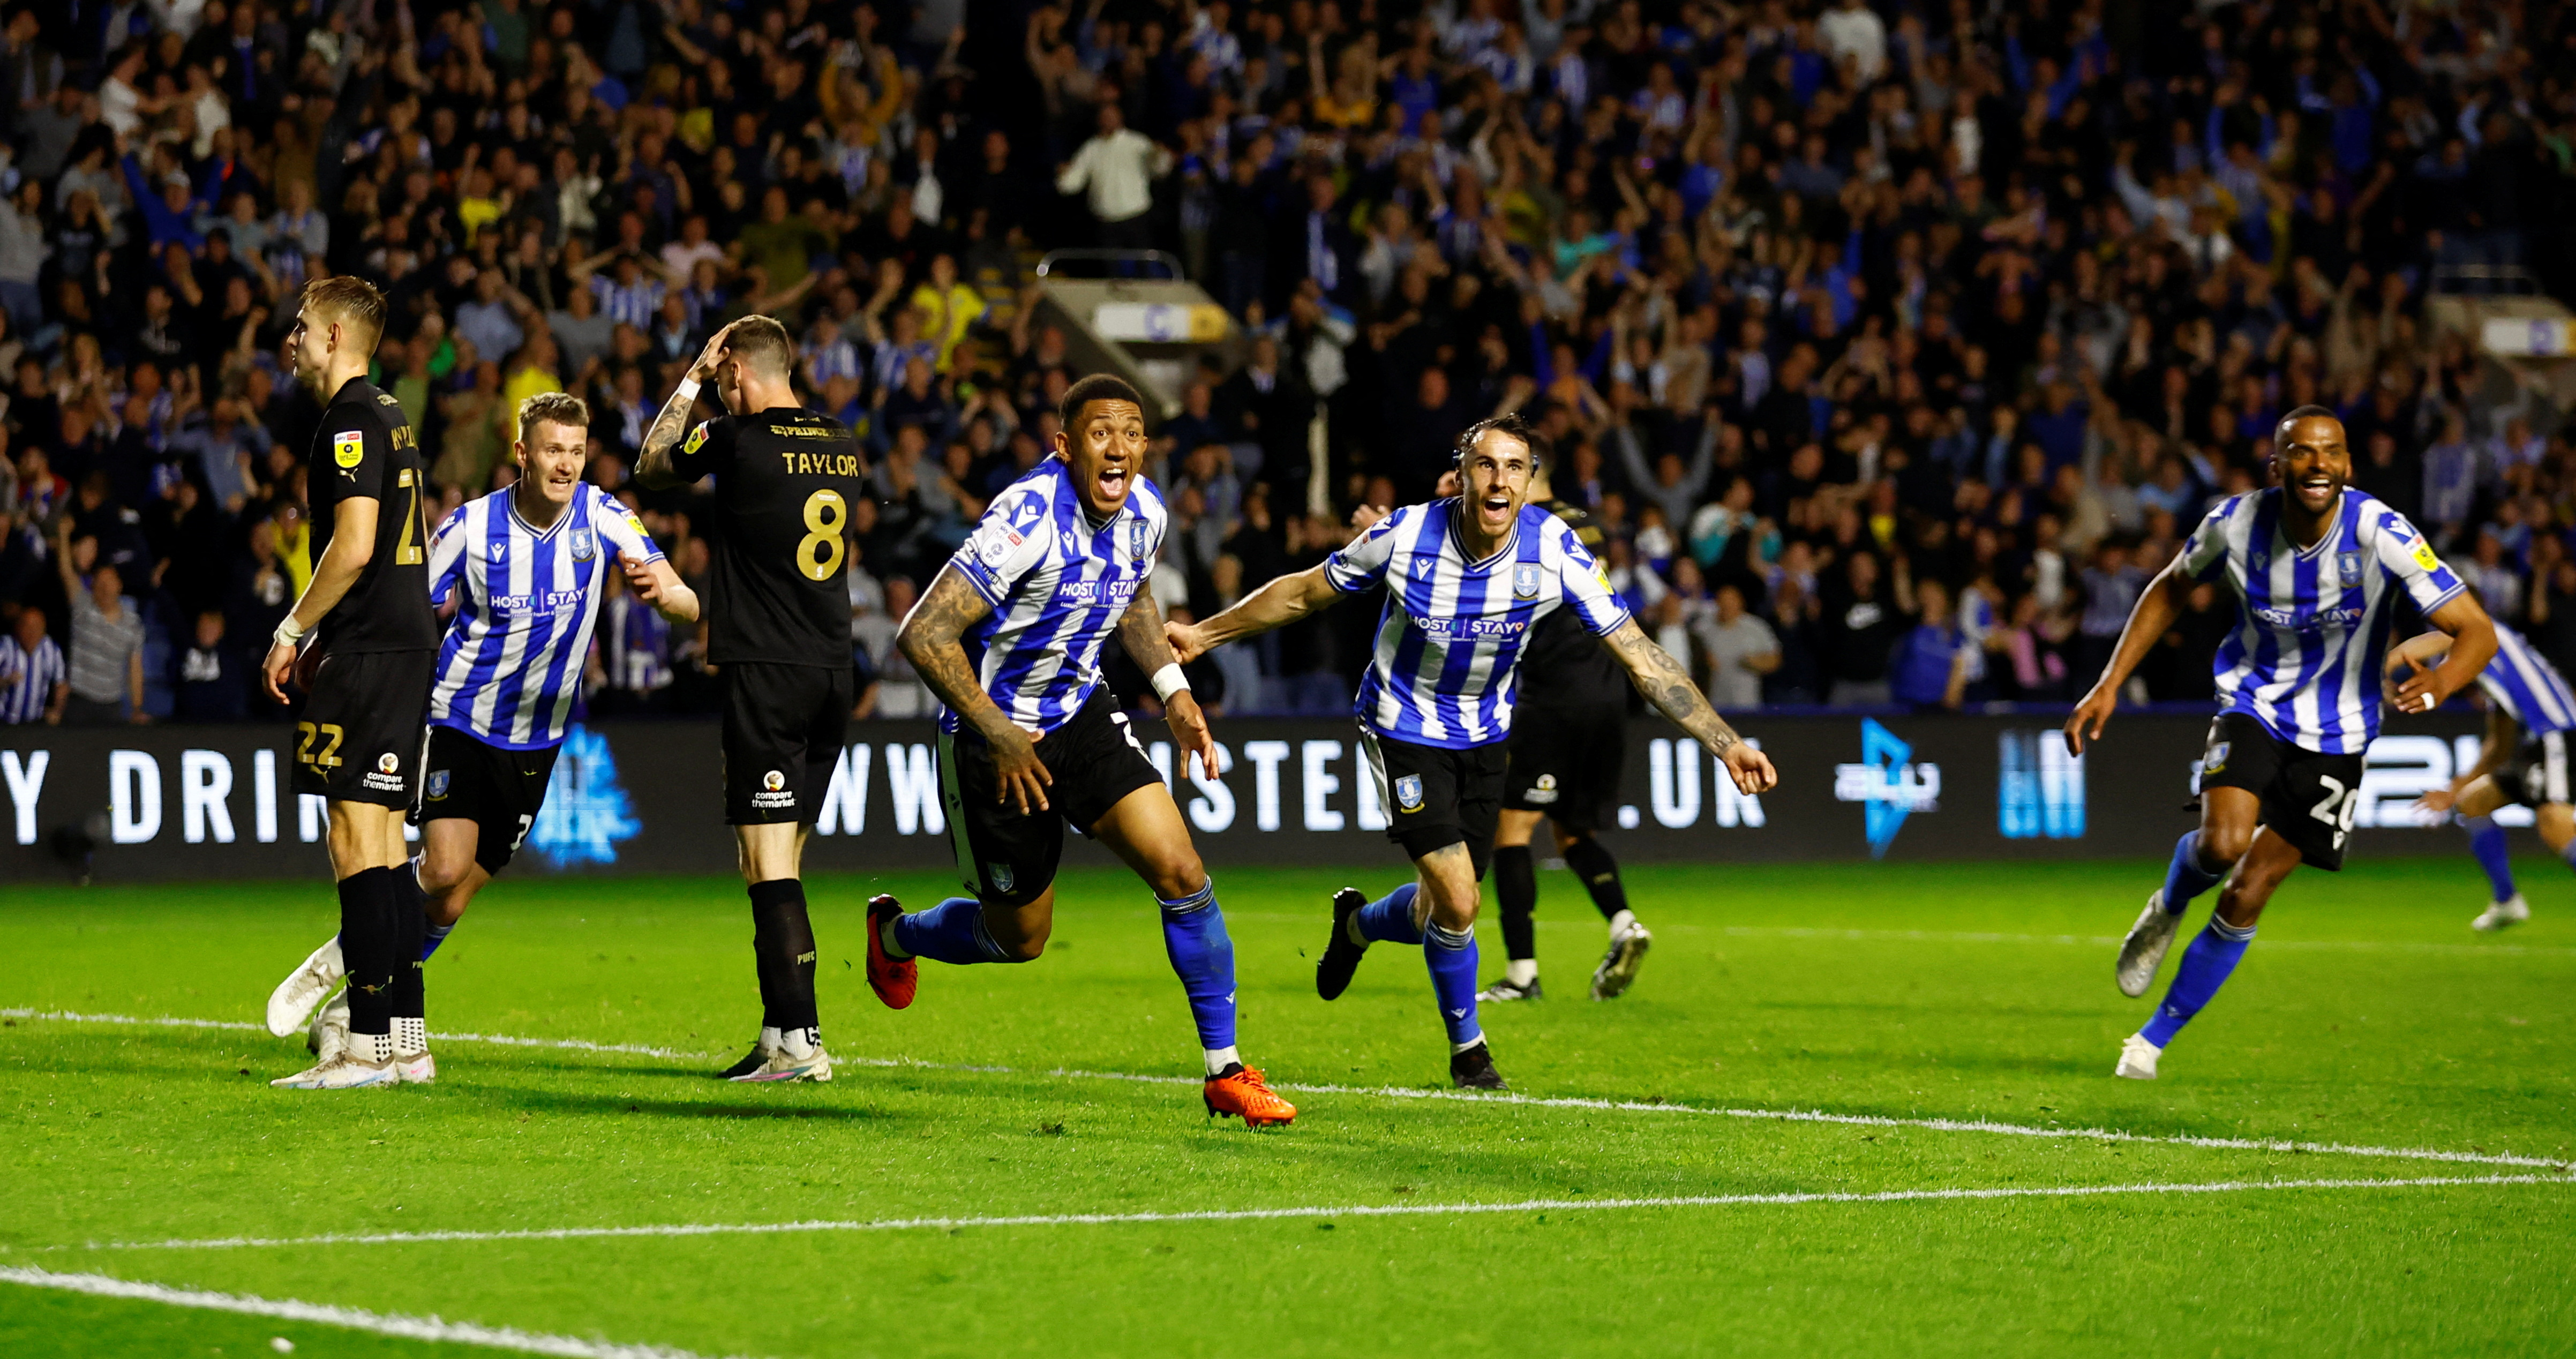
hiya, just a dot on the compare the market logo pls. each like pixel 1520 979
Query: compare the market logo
pixel 1888 787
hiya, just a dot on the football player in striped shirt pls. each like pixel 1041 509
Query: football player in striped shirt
pixel 2523 760
pixel 1467 579
pixel 2299 684
pixel 1010 636
pixel 527 568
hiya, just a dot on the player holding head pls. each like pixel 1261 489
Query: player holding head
pixel 369 641
pixel 1009 637
pixel 2298 698
pixel 1467 578
pixel 779 636
pixel 1569 744
pixel 526 566
pixel 2529 710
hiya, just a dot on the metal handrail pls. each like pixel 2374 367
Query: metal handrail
pixel 2489 274
pixel 1171 264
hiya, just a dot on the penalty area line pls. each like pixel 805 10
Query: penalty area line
pixel 346 1318
pixel 1632 1106
pixel 1322 1211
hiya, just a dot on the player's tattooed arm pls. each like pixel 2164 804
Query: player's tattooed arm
pixel 1140 630
pixel 653 468
pixel 929 639
pixel 1668 686
pixel 1277 604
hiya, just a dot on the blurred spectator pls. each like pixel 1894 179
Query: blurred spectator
pixel 34 683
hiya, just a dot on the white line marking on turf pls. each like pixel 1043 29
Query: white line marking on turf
pixel 1528 1101
pixel 1992 937
pixel 348 1318
pixel 1317 1211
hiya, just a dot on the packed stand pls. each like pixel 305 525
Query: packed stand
pixel 1895 349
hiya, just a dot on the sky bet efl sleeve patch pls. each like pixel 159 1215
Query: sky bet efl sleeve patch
pixel 349 447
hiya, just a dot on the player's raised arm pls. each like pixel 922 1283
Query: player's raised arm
pixel 929 639
pixel 2158 606
pixel 1668 687
pixel 653 468
pixel 1140 630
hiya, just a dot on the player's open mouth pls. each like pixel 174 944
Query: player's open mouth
pixel 1112 482
pixel 2318 489
pixel 1495 509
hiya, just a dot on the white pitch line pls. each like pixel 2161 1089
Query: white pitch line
pixel 1314 1211
pixel 1526 1101
pixel 347 1318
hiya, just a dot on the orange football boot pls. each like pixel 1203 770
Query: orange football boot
pixel 893 979
pixel 1242 1093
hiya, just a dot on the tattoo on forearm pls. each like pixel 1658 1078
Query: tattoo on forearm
pixel 929 640
pixel 1140 630
pixel 1667 686
pixel 653 464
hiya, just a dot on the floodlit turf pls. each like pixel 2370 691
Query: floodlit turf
pixel 2367 1015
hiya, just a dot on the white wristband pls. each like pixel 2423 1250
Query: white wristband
pixel 687 391
pixel 288 630
pixel 1169 681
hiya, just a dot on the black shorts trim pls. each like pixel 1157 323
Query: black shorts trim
pixel 2536 776
pixel 2309 797
pixel 360 735
pixel 1567 763
pixel 1004 855
pixel 499 790
pixel 1436 797
pixel 784 727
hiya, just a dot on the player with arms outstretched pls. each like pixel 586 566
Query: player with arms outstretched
pixel 2299 683
pixel 1467 578
pixel 1009 637
pixel 525 565
pixel 779 637
pixel 2523 760
pixel 369 641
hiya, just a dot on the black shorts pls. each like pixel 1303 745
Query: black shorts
pixel 1567 762
pixel 359 736
pixel 1435 797
pixel 1004 855
pixel 784 726
pixel 2537 774
pixel 498 790
pixel 2309 798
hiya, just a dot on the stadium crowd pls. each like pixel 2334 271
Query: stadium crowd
pixel 1894 345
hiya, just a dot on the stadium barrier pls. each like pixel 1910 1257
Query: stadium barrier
pixel 174 802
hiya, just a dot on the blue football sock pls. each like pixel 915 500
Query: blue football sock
pixel 1195 939
pixel 2569 854
pixel 431 936
pixel 2204 968
pixel 2486 843
pixel 2185 878
pixel 1389 919
pixel 950 932
pixel 1451 956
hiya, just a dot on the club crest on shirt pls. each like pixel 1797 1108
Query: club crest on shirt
pixel 1001 876
pixel 1525 581
pixel 348 447
pixel 1408 793
pixel 438 779
pixel 2348 564
pixel 1136 542
pixel 2216 760
pixel 584 547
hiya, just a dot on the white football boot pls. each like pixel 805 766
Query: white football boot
pixel 2503 913
pixel 411 1052
pixel 799 1056
pixel 2144 950
pixel 369 1061
pixel 2137 1059
pixel 328 1034
pixel 1618 969
pixel 293 1000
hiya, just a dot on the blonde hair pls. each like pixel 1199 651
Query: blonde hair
pixel 350 300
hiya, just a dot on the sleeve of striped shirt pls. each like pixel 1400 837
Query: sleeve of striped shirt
pixel 2205 551
pixel 619 527
pixel 1362 563
pixel 2403 550
pixel 447 555
pixel 1006 545
pixel 1587 590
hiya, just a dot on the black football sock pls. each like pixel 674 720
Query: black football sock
pixel 1600 874
pixel 760 956
pixel 368 949
pixel 1516 884
pixel 402 906
pixel 779 908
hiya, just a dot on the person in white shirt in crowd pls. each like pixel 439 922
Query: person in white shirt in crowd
pixel 1741 649
pixel 1114 171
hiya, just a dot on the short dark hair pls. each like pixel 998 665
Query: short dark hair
pixel 762 342
pixel 1096 387
pixel 2281 430
pixel 1510 425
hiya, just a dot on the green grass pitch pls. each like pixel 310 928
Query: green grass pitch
pixel 2367 1015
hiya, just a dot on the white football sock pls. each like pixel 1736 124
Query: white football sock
pixel 768 1039
pixel 1218 1059
pixel 1620 923
pixel 1521 971
pixel 885 936
pixel 411 1034
pixel 1475 1042
pixel 377 1048
pixel 799 1044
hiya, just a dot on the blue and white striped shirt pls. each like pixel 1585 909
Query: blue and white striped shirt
pixel 512 660
pixel 27 681
pixel 1058 585
pixel 2312 638
pixel 1450 639
pixel 2529 689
